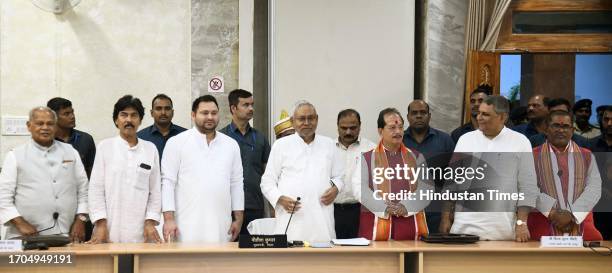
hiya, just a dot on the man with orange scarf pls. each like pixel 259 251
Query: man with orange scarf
pixel 569 183
pixel 383 218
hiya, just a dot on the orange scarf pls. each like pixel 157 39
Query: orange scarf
pixel 383 225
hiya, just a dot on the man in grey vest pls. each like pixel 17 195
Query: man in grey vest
pixel 43 184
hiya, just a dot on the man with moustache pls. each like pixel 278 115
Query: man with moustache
pixel 435 145
pixel 508 154
pixel 537 111
pixel 387 219
pixel 476 98
pixel 303 165
pixel 569 182
pixel 162 129
pixel 124 190
pixel 350 146
pixel 43 185
pixel 202 185
pixel 254 152
pixel 558 104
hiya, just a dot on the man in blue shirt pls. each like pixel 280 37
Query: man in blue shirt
pixel 162 129
pixel 254 152
pixel 537 112
pixel 435 145
pixel 476 98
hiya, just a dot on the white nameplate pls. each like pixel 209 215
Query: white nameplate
pixel 561 241
pixel 11 246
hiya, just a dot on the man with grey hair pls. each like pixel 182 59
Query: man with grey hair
pixel 43 184
pixel 303 176
pixel 509 168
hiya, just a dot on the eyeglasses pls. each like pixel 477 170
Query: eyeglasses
pixel 564 127
pixel 303 119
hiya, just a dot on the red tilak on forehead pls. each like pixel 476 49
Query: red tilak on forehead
pixel 397 121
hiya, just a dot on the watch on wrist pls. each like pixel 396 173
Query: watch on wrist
pixel 83 217
pixel 521 222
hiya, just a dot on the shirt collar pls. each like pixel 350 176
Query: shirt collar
pixel 234 128
pixel 127 145
pixel 340 145
pixel 430 132
pixel 43 148
pixel 556 150
pixel 155 129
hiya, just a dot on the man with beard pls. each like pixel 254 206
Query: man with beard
pixel 569 182
pixel 305 166
pixel 601 146
pixel 162 129
pixel 537 111
pixel 254 151
pixel 476 98
pixel 350 146
pixel 582 112
pixel 124 190
pixel 202 187
pixel 434 144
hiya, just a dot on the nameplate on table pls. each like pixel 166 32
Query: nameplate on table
pixel 561 241
pixel 262 241
pixel 11 246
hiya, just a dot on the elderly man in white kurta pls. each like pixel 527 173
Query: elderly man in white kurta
pixel 516 172
pixel 202 181
pixel 125 186
pixel 304 165
pixel 40 178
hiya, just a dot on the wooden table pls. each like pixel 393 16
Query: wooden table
pixel 404 256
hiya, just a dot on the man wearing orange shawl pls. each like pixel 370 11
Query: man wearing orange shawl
pixel 390 219
pixel 569 183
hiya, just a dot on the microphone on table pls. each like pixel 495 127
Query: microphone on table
pixel 291 216
pixel 55 216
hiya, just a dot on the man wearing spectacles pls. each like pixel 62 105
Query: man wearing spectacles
pixel 569 183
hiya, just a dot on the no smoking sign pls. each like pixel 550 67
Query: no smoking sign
pixel 216 85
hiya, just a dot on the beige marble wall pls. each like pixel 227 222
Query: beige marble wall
pixel 214 48
pixel 442 61
pixel 92 55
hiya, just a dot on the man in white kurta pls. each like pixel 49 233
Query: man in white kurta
pixel 125 186
pixel 202 181
pixel 40 178
pixel 517 174
pixel 304 165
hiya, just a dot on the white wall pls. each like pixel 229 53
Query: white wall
pixel 340 54
pixel 93 55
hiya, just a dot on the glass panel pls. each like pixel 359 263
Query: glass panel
pixel 547 22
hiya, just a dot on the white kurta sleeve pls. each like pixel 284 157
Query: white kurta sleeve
pixel 82 184
pixel 269 180
pixel 154 201
pixel 356 179
pixel 545 203
pixel 337 169
pixel 414 206
pixel 236 180
pixel 8 186
pixel 591 194
pixel 527 180
pixel 97 196
pixel 170 163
